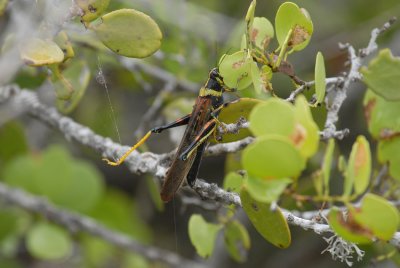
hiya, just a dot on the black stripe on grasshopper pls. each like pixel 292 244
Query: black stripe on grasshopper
pixel 201 123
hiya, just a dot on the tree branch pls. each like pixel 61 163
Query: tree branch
pixel 75 222
pixel 154 163
pixel 340 93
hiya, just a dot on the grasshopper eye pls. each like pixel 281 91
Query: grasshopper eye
pixel 214 73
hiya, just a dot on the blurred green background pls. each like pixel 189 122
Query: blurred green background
pixel 196 34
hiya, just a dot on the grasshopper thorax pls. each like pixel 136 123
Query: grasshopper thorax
pixel 215 83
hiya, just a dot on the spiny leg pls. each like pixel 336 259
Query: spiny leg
pixel 180 122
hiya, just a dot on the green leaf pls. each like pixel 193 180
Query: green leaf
pixel 62 40
pixel 21 172
pixel 342 164
pixel 382 74
pixel 327 165
pixel 75 185
pixel 236 70
pixel 237 240
pixel 266 191
pixel 256 77
pixel 305 136
pixel 119 212
pixel 87 187
pixel 290 18
pixel 77 73
pixel 250 12
pixel 378 216
pixel 382 116
pixel 232 113
pixel 129 33
pixel 92 9
pixel 249 22
pixel 272 157
pixel 347 229
pixel 154 193
pixel 233 182
pixel 8 222
pixel 262 32
pixel 53 173
pixel 202 235
pixel 274 116
pixel 320 76
pixel 39 52
pixel 266 76
pixel 388 151
pixel 359 167
pixel 135 260
pixel 271 225
pixel 97 251
pixel 48 242
pixel 12 141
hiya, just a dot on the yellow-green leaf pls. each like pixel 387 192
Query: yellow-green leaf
pixel 129 33
pixel 359 167
pixel 77 76
pixel 92 9
pixel 154 191
pixel 237 240
pixel 274 116
pixel 232 113
pixel 261 33
pixel 320 76
pixel 273 157
pixel 39 52
pixel 271 225
pixel 388 151
pixel 256 77
pixel 233 182
pixel 305 136
pixel 291 20
pixel 382 116
pixel 266 191
pixel 382 75
pixel 249 22
pixel 62 40
pixel 327 165
pixel 202 235
pixel 236 70
pixel 377 215
pixel 348 229
pixel 48 242
pixel 250 12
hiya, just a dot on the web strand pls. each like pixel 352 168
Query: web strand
pixel 100 78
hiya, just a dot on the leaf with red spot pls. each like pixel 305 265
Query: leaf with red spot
pixel 236 70
pixel 359 167
pixel 375 218
pixel 348 229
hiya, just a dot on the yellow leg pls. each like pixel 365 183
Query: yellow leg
pixel 122 159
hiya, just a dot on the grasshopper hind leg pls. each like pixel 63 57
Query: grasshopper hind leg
pixel 194 170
